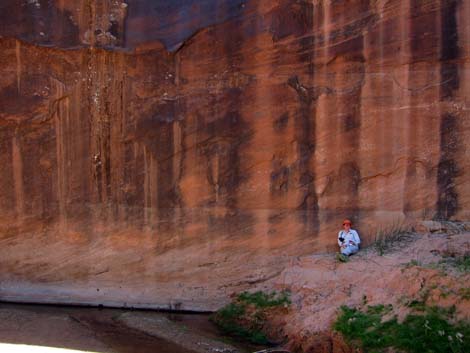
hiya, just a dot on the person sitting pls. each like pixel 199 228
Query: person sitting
pixel 348 239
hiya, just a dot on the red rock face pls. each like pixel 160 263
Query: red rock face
pixel 168 154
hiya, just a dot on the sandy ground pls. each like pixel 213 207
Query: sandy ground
pixel 410 271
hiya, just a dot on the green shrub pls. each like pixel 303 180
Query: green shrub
pixel 245 317
pixel 429 332
pixel 464 293
pixel 462 263
pixel 228 320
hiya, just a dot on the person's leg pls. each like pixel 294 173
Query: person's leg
pixel 349 250
pixel 353 249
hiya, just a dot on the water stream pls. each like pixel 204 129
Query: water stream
pixel 41 328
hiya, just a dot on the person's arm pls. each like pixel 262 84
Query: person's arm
pixel 339 236
pixel 357 240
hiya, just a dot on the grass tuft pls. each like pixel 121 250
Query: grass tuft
pixel 412 263
pixel 265 300
pixel 459 262
pixel 391 237
pixel 462 263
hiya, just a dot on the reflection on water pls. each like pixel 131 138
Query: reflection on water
pixel 21 348
pixel 37 329
pixel 59 329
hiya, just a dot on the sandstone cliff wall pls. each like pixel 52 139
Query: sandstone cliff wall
pixel 168 153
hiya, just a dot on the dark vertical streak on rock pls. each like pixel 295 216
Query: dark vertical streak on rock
pixel 447 203
pixel 306 130
pixel 227 135
pixel 411 133
pixel 157 132
pixel 304 127
pixel 420 48
pixel 448 169
pixel 449 50
pixel 109 96
pixel 222 151
pixel 304 122
pixel 165 177
pixel 229 175
pixel 280 123
pixel 7 194
pixel 349 171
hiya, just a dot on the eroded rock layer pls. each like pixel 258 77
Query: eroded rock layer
pixel 159 153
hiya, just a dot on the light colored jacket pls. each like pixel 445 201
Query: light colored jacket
pixel 348 237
